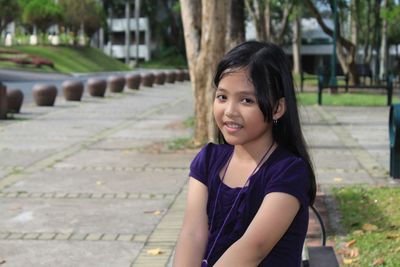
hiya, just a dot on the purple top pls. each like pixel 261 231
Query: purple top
pixel 282 172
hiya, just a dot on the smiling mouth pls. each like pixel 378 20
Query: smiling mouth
pixel 233 125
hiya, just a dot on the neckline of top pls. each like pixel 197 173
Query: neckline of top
pixel 263 165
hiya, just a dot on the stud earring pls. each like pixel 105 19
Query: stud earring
pixel 275 121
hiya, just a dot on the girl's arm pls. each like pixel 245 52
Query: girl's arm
pixel 272 220
pixel 193 238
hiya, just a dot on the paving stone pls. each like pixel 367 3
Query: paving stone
pixel 76 253
pixel 100 183
pixel 81 215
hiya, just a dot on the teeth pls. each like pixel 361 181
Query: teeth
pixel 233 125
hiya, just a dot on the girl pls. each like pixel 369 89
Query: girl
pixel 248 197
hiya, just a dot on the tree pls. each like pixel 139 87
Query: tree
pixel 345 48
pixel 166 24
pixel 9 10
pixel 42 13
pixel 393 15
pixel 296 41
pixel 86 15
pixel 235 33
pixel 204 24
pixel 270 18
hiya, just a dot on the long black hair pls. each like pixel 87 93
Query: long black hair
pixel 272 79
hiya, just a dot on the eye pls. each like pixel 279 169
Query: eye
pixel 247 101
pixel 220 97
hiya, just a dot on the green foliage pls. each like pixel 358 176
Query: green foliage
pixel 393 17
pixel 371 219
pixel 167 58
pixel 9 10
pixel 42 13
pixel 86 13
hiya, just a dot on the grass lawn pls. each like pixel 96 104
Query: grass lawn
pixel 345 99
pixel 371 217
pixel 68 59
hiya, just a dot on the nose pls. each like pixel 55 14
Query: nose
pixel 230 109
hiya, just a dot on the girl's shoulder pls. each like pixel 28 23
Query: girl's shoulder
pixel 287 173
pixel 282 158
pixel 207 161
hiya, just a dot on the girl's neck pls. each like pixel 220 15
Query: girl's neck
pixel 252 152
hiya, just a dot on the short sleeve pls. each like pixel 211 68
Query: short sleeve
pixel 199 166
pixel 291 176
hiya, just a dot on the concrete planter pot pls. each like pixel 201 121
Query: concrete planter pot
pixel 160 78
pixel 187 75
pixel 15 98
pixel 116 84
pixel 44 94
pixel 96 87
pixel 72 90
pixel 148 79
pixel 171 77
pixel 133 81
pixel 180 75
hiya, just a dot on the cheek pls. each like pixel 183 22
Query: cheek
pixel 217 111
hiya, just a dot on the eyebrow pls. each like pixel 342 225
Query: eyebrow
pixel 239 93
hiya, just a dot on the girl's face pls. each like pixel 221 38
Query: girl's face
pixel 237 113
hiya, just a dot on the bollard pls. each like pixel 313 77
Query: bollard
pixel 116 84
pixel 97 87
pixel 133 81
pixel 394 137
pixel 72 90
pixel 44 94
pixel 148 79
pixel 15 98
pixel 3 101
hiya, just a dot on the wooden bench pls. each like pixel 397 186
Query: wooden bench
pixel 388 87
pixel 319 256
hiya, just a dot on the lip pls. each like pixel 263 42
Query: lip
pixel 232 127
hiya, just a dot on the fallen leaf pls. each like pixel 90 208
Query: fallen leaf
pixel 369 227
pixel 347 261
pixel 337 179
pixel 378 261
pixel 392 235
pixel 350 243
pixel 154 252
pixel 358 232
pixel 99 182
pixel 2 261
pixel 157 212
pixel 354 253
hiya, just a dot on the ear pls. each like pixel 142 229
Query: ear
pixel 280 109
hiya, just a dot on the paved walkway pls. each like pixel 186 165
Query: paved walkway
pixel 92 184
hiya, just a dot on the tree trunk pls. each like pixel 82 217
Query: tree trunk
pixel 235 24
pixel 127 32
pixel 258 18
pixel 384 46
pixel 296 45
pixel 278 35
pixel 204 24
pixel 367 47
pixel 345 49
pixel 353 22
pixel 267 19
